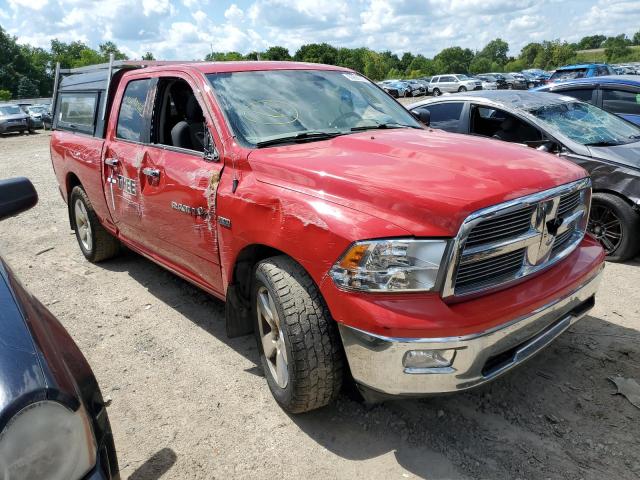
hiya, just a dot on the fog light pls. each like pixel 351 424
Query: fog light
pixel 428 358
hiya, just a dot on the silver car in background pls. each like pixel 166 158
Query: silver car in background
pixel 453 83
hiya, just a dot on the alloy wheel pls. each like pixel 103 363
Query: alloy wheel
pixel 83 225
pixel 272 337
pixel 605 225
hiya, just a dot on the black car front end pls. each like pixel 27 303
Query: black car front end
pixel 53 420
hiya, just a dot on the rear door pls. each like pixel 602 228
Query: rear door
pixel 622 100
pixel 123 152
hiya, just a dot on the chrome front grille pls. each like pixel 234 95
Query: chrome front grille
pixel 501 244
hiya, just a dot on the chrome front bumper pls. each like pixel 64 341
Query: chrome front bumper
pixel 376 362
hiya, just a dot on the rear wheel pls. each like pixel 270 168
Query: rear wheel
pixel 298 341
pixel 95 242
pixel 510 86
pixel 616 226
pixel 436 92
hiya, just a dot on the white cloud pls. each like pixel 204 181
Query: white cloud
pixel 30 4
pixel 234 13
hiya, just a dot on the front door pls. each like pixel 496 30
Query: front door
pixel 123 153
pixel 178 184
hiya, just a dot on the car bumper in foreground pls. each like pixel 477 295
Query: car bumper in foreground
pixel 377 362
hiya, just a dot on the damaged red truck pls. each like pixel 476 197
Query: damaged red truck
pixel 353 240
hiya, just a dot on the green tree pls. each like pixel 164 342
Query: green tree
pixel 148 56
pixel 251 56
pixel 107 48
pixel 496 51
pixel 480 65
pixel 636 38
pixel 317 53
pixel 529 53
pixel 276 53
pixel 453 60
pixel 405 61
pixel 27 89
pixel 223 56
pixel 590 42
pixel 616 48
pixel 374 66
pixel 5 95
pixel 420 66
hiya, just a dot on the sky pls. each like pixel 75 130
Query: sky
pixel 189 29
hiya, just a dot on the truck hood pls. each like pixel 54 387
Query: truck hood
pixel 425 181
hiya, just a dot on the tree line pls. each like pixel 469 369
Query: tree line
pixel 27 71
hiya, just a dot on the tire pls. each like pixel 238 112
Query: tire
pixel 619 239
pixel 95 242
pixel 510 86
pixel 462 89
pixel 436 92
pixel 304 363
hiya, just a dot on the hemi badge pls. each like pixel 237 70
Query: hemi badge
pixel 225 222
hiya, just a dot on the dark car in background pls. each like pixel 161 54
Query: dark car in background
pixel 53 420
pixel 585 70
pixel 604 144
pixel 13 119
pixel 619 94
pixel 512 82
pixel 417 88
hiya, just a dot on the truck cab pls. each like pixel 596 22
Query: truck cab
pixel 349 237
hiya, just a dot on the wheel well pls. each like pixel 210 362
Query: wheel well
pixel 616 194
pixel 243 268
pixel 72 182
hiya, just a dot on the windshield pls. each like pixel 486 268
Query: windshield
pixel 569 74
pixel 462 77
pixel 10 110
pixel 37 109
pixel 263 106
pixel 586 124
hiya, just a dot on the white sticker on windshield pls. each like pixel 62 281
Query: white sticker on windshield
pixel 354 78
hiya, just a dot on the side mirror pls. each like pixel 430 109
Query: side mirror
pixel 210 153
pixel 16 196
pixel 423 114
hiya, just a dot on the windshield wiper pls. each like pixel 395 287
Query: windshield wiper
pixel 383 126
pixel 603 144
pixel 299 137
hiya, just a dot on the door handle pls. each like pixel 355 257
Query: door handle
pixel 112 162
pixel 151 172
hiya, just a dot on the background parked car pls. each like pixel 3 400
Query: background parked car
pixel 493 82
pixel 417 89
pixel 586 70
pixel 389 89
pixel 453 83
pixel 619 94
pixel 53 421
pixel 402 89
pixel 512 82
pixel 36 112
pixel 604 144
pixel 13 119
pixel 533 80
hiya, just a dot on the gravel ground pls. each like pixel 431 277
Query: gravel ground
pixel 186 402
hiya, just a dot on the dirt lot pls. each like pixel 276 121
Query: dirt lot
pixel 186 402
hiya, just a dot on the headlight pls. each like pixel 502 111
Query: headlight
pixel 47 440
pixel 390 265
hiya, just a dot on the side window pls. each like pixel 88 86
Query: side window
pixel 601 70
pixel 435 79
pixel 178 120
pixel 132 123
pixel 78 112
pixel 621 101
pixel 447 79
pixel 446 116
pixel 583 94
pixel 492 122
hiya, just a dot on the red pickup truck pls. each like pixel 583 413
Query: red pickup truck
pixel 351 238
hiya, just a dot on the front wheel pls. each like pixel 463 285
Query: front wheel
pixel 616 226
pixel 95 242
pixel 298 341
pixel 462 89
pixel 436 92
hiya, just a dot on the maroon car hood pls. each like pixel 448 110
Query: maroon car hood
pixel 425 181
